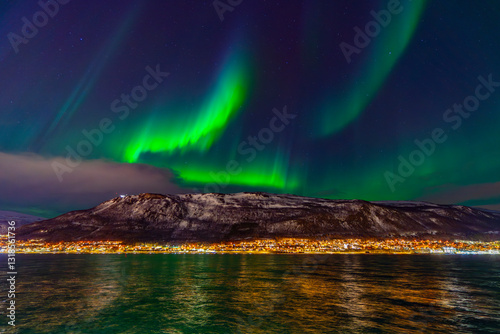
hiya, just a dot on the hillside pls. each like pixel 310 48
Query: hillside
pixel 218 217
pixel 20 219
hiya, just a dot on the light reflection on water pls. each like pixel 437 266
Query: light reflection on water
pixel 119 293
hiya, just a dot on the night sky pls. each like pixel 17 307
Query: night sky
pixel 373 100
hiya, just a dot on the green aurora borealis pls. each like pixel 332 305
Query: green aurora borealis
pixel 214 125
pixel 388 46
pixel 186 130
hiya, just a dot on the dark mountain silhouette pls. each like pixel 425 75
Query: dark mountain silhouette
pixel 219 217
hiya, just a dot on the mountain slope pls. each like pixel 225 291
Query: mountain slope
pixel 217 217
pixel 20 219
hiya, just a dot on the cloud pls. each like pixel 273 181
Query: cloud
pixel 29 181
pixel 480 192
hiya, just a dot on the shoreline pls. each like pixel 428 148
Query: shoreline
pixel 256 246
pixel 254 253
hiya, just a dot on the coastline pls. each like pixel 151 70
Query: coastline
pixel 289 246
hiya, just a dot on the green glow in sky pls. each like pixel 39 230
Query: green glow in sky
pixel 168 130
pixel 266 171
pixel 386 49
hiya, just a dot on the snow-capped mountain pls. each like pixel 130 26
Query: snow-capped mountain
pixel 218 217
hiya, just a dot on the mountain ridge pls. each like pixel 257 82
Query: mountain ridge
pixel 218 217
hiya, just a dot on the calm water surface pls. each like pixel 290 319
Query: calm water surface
pixel 141 293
